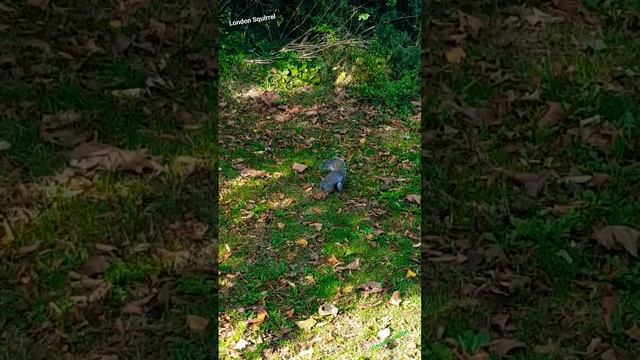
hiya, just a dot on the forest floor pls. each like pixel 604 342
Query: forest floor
pixel 106 250
pixel 532 133
pixel 303 276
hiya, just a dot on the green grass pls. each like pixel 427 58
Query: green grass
pixel 263 219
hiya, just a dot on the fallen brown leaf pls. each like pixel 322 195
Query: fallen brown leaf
pixel 94 266
pixel 58 130
pixel 128 93
pixel 105 248
pixel 133 309
pixel 608 304
pixel 593 345
pixel 252 173
pixel 555 115
pixel 502 347
pixel 549 348
pixel 413 198
pixel 197 324
pixel 471 23
pixel 599 136
pixel 455 55
pixel 289 313
pixel 320 195
pixel 7 236
pixel 395 298
pixel 533 182
pixel 371 287
pixel 299 168
pixel 354 265
pixel 317 226
pixel 513 282
pixel 559 209
pixel 577 179
pixel 633 332
pixel 609 354
pixel 259 319
pixel 500 321
pixel 484 116
pixel 332 261
pixel 613 237
pixel 328 309
pixel 481 355
pixel 7 8
pixel 536 16
pixel 41 4
pixel 190 230
pixel 268 98
pixel 187 165
pixel 25 250
pixel 99 293
pixel 95 155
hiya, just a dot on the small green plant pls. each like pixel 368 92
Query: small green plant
pixel 291 73
pixel 470 342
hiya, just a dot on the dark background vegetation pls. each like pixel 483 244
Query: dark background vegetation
pixel 309 39
pixel 61 57
pixel 509 272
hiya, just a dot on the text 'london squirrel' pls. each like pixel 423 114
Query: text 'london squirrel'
pixel 252 20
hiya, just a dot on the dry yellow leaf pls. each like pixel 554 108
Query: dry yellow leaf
pixel 289 313
pixel 302 242
pixel 410 274
pixel 7 235
pixel 197 324
pixel 455 55
pixel 127 93
pixel 395 298
pixel 299 168
pixel 332 261
pixel 413 198
pixel 306 324
pixel 259 319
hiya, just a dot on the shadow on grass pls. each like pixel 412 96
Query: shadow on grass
pixel 175 274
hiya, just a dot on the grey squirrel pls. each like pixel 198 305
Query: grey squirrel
pixel 336 177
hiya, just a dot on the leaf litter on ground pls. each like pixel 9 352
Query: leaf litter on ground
pixel 328 309
pixel 95 155
pixel 618 237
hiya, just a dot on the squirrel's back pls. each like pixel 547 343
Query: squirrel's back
pixel 335 164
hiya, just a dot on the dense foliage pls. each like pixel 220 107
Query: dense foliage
pixel 370 46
